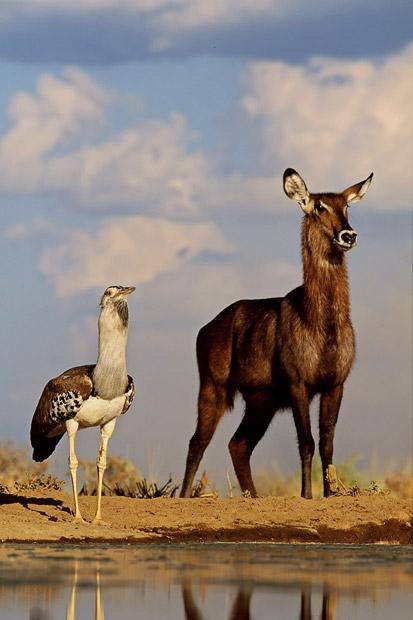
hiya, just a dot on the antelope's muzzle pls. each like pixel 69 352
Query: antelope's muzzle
pixel 346 239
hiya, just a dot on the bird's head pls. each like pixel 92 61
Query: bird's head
pixel 114 304
pixel 114 294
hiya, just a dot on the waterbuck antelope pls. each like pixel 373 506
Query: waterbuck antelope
pixel 280 352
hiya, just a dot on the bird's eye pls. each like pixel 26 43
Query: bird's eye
pixel 320 208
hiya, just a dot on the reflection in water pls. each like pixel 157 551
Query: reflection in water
pixel 327 610
pixel 71 608
pixel 38 614
pixel 41 614
pixel 232 582
pixel 241 607
pixel 239 611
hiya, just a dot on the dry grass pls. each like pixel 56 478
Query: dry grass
pixel 42 482
pixel 19 473
pixel 274 481
pixel 15 463
pixel 123 478
pixel 352 481
pixel 144 489
pixel 119 470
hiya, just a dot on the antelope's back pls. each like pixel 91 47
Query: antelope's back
pixel 239 344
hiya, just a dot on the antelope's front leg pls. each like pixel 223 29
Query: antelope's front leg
pixel 329 407
pixel 105 434
pixel 301 412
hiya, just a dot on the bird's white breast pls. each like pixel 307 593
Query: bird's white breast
pixel 96 411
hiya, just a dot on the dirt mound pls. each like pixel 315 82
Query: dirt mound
pixel 46 517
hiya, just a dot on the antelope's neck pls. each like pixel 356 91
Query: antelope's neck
pixel 326 291
pixel 110 377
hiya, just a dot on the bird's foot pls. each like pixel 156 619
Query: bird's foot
pixel 99 521
pixel 78 519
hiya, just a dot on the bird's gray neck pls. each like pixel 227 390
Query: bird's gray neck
pixel 110 377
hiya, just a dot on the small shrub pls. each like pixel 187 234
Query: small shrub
pixel 354 489
pixel 42 482
pixel 202 488
pixel 34 482
pixel 18 473
pixel 15 464
pixel 351 481
pixel 146 490
pixel 139 489
pixel 119 471
pixel 123 478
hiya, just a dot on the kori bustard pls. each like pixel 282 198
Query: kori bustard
pixel 86 396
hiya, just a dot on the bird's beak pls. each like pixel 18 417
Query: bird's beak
pixel 127 290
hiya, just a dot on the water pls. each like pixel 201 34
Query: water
pixel 200 582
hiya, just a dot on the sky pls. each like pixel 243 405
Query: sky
pixel 143 143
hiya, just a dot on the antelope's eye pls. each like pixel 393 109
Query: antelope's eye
pixel 320 208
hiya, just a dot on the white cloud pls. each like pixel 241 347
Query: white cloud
pixel 23 230
pixel 174 15
pixel 43 121
pixel 168 20
pixel 149 166
pixel 336 121
pixel 183 16
pixel 128 250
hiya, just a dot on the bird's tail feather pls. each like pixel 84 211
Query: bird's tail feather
pixel 43 447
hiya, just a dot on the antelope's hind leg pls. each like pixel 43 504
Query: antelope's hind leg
pixel 212 403
pixel 260 407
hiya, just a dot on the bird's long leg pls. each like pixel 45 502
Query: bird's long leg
pixel 71 428
pixel 71 607
pixel 105 434
pixel 99 609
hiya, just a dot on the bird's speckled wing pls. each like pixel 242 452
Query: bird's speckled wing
pixel 61 399
pixel 129 394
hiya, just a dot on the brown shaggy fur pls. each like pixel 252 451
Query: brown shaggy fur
pixel 280 352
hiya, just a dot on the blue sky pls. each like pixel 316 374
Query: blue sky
pixel 144 143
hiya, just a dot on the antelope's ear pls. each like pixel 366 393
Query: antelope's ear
pixel 357 191
pixel 296 189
